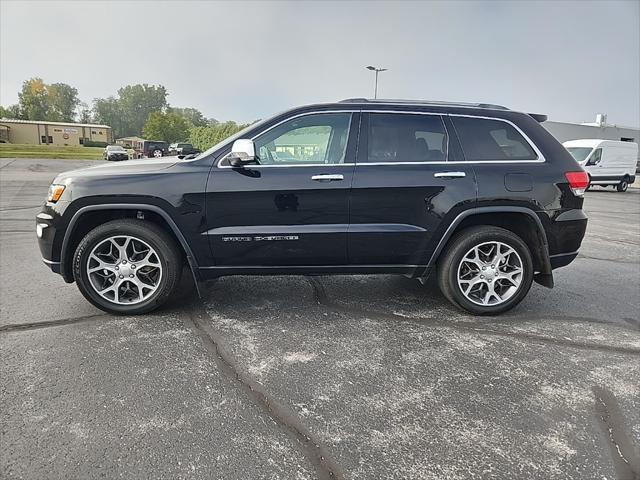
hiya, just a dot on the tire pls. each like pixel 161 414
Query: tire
pixel 149 286
pixel 455 262
pixel 623 185
pixel 157 153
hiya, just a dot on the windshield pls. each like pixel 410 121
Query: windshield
pixel 115 147
pixel 233 137
pixel 580 154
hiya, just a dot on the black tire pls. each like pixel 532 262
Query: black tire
pixel 168 253
pixel 458 247
pixel 623 185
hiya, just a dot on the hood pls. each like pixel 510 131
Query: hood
pixel 130 167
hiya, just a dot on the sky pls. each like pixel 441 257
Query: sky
pixel 247 60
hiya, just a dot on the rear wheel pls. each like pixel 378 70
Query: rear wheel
pixel 485 270
pixel 157 153
pixel 127 266
pixel 623 185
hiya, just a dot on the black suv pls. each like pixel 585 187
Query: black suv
pixel 182 149
pixel 480 195
pixel 153 148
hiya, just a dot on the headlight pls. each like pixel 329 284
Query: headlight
pixel 55 192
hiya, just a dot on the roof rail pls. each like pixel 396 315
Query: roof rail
pixel 424 102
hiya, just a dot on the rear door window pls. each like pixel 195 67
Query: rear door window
pixel 485 139
pixel 403 137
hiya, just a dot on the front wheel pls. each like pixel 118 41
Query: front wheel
pixel 486 270
pixel 623 185
pixel 127 266
pixel 157 153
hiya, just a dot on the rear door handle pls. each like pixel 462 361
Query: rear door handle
pixel 449 174
pixel 327 178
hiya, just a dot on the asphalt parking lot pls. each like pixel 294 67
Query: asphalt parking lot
pixel 299 377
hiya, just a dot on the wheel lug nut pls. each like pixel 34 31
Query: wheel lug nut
pixel 121 276
pixel 124 261
pixel 117 268
pixel 131 275
pixel 481 276
pixel 133 266
pixel 484 268
pixel 493 266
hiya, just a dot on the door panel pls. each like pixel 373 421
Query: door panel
pixel 398 206
pixel 292 209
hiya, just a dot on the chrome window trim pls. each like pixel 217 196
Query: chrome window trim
pixel 253 139
pixel 444 126
pixel 541 158
pixel 534 147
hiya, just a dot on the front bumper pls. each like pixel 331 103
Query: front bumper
pixel 47 229
pixel 54 266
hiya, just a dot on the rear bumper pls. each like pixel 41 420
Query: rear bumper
pixel 565 231
pixel 562 259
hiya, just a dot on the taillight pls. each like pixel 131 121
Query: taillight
pixel 578 182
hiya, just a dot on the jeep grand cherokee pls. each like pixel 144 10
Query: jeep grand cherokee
pixel 479 195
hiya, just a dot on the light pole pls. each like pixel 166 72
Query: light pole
pixel 376 69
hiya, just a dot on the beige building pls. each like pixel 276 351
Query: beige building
pixel 53 133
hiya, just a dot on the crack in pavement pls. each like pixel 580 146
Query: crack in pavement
pixel 7 230
pixel 317 454
pixel 633 324
pixel 612 260
pixel 18 327
pixel 321 297
pixel 626 458
pixel 11 209
pixel 7 164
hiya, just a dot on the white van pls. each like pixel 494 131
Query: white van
pixel 608 162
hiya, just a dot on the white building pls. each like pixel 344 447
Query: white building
pixel 598 129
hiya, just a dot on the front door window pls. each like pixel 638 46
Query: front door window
pixel 319 139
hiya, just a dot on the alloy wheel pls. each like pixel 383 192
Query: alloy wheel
pixel 124 270
pixel 490 273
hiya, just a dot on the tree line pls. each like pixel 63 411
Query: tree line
pixel 136 110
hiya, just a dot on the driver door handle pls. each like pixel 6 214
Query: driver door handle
pixel 449 175
pixel 327 178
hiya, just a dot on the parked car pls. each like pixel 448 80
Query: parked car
pixel 608 162
pixel 182 149
pixel 115 153
pixel 153 148
pixel 481 196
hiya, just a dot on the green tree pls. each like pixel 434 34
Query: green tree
pixel 206 137
pixel 12 111
pixel 137 102
pixel 84 113
pixel 170 127
pixel 108 111
pixel 193 116
pixel 34 99
pixel 63 101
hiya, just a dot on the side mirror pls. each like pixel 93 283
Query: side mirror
pixel 242 152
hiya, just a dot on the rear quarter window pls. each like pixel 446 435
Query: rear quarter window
pixel 485 139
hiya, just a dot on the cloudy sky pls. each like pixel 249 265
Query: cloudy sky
pixel 244 61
